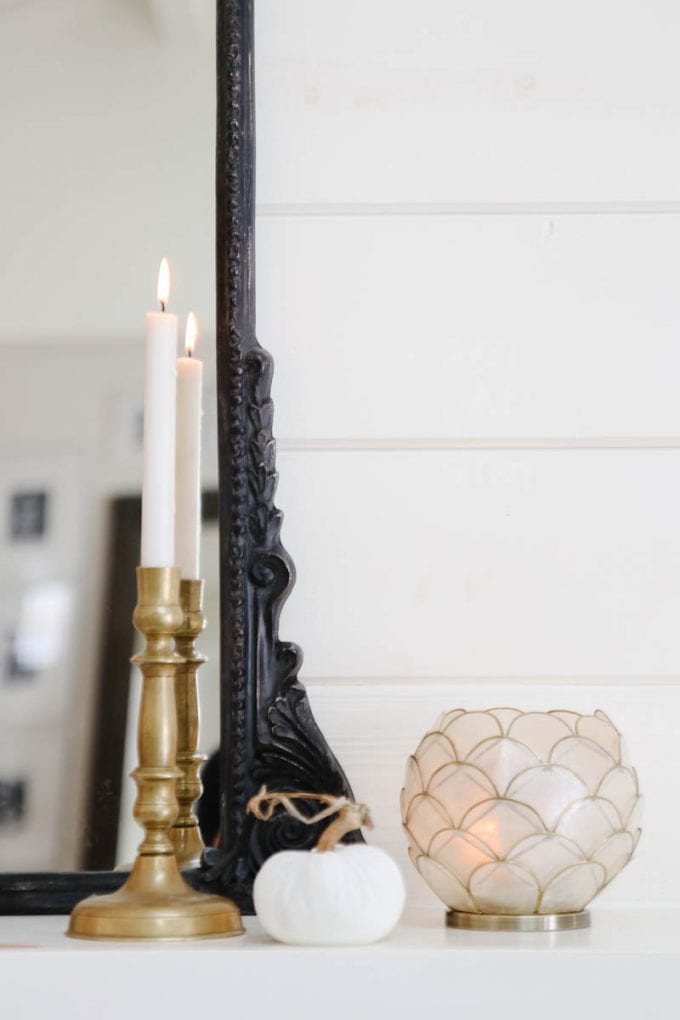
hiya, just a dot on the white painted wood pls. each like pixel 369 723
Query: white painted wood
pixel 481 563
pixel 468 101
pixel 485 326
pixel 374 726
pixel 625 966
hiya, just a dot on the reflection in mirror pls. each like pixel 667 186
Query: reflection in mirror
pixel 110 836
pixel 39 685
pixel 39 577
pixel 209 695
pixel 106 148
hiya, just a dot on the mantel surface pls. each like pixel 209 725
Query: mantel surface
pixel 624 966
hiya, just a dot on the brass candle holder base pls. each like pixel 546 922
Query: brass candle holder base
pixel 518 922
pixel 156 902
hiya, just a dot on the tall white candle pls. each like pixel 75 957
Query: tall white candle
pixel 158 484
pixel 188 499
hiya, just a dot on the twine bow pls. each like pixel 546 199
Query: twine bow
pixel 350 816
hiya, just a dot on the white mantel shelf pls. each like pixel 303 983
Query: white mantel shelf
pixel 625 966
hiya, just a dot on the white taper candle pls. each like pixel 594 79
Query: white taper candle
pixel 188 499
pixel 158 484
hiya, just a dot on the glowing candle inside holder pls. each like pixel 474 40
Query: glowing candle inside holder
pixel 188 498
pixel 158 484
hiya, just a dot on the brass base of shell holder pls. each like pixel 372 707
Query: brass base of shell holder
pixel 518 922
pixel 156 902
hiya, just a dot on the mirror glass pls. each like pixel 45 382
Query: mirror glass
pixel 106 151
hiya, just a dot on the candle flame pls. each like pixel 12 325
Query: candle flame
pixel 163 284
pixel 191 334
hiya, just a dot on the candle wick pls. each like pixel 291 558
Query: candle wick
pixel 162 306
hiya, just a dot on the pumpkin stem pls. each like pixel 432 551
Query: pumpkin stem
pixel 350 816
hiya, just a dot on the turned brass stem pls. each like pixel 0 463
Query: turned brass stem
pixel 157 616
pixel 185 833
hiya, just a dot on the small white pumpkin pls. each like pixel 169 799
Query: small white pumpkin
pixel 333 896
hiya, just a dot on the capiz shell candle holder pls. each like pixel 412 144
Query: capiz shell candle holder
pixel 516 820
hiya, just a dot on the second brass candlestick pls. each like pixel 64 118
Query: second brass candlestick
pixel 185 833
pixel 156 902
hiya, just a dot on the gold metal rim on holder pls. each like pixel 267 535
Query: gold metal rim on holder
pixel 518 922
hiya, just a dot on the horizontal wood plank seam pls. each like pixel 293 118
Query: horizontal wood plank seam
pixel 294 210
pixel 416 683
pixel 434 444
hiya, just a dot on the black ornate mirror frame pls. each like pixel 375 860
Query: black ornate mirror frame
pixel 268 732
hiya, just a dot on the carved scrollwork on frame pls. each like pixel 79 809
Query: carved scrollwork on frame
pixel 269 733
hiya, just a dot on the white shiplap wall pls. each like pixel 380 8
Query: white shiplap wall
pixel 468 257
pixel 467 101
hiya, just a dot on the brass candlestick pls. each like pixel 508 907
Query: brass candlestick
pixel 185 834
pixel 156 902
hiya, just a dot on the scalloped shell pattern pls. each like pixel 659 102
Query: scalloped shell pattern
pixel 511 812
